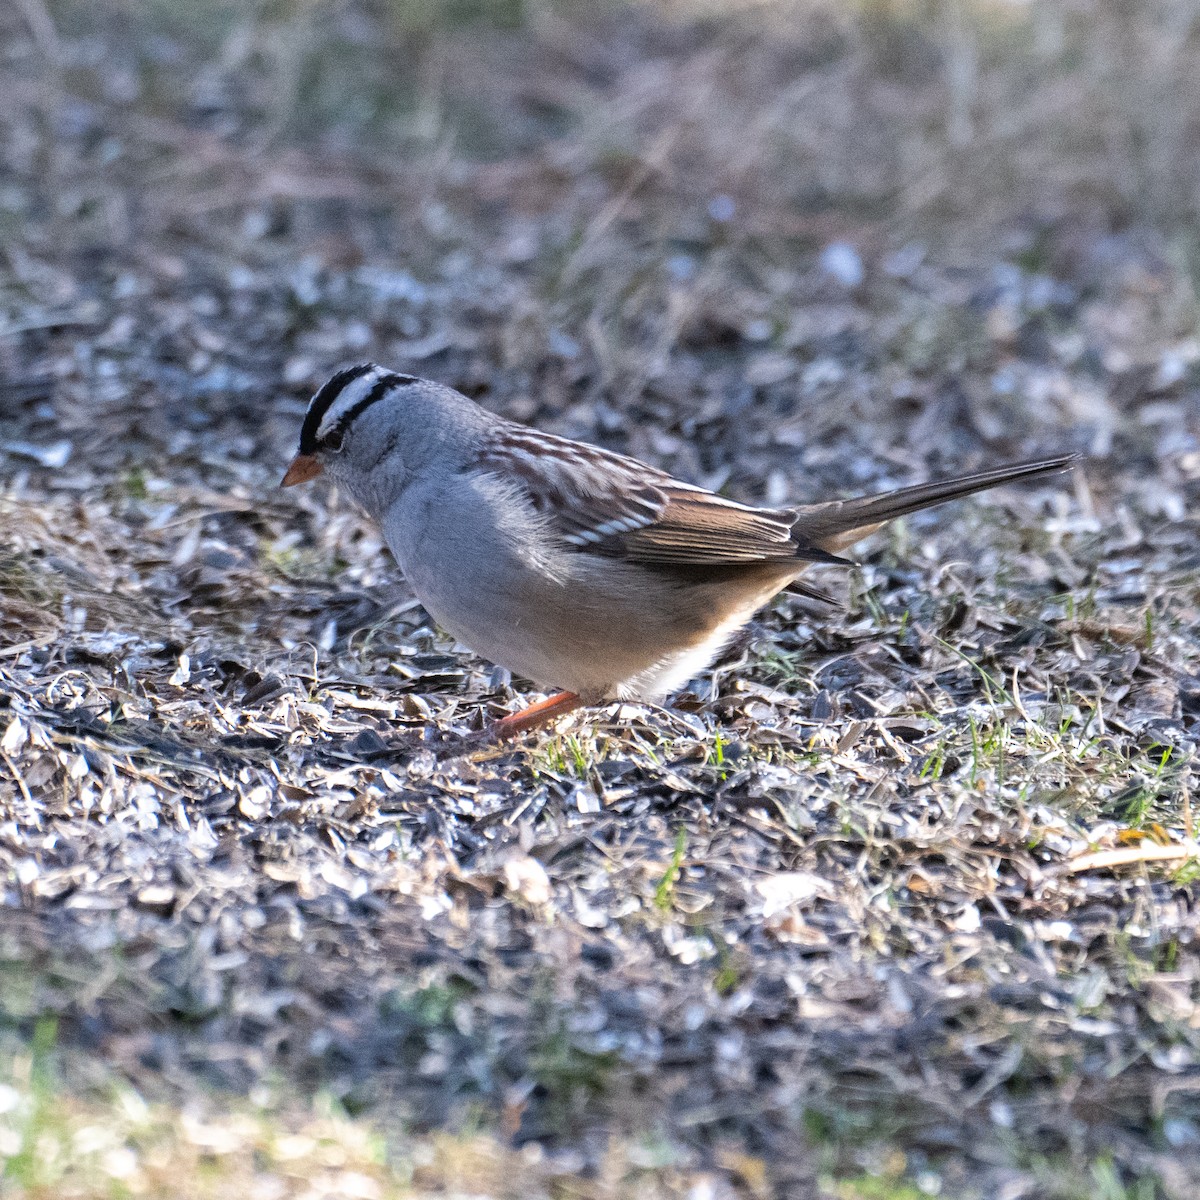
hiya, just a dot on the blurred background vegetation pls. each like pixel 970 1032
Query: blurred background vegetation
pixel 609 151
pixel 951 116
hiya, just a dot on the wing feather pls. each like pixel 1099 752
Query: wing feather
pixel 606 503
pixel 609 504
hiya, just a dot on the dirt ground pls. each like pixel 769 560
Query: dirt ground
pixel 899 900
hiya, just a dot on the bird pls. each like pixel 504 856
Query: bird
pixel 597 576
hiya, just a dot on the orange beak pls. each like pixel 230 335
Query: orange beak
pixel 304 467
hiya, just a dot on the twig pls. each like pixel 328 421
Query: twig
pixel 1126 855
pixel 12 766
pixel 41 26
pixel 20 647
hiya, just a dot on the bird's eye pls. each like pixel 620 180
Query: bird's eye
pixel 333 440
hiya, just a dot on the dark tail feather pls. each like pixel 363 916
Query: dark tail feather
pixel 840 523
pixel 799 588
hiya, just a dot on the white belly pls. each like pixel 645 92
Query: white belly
pixel 598 627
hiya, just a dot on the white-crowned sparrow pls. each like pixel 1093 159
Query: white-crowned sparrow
pixel 575 567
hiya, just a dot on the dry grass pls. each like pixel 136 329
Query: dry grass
pixel 900 901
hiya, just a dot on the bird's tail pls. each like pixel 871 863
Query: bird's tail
pixel 840 523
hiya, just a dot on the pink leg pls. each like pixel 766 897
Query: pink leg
pixel 534 716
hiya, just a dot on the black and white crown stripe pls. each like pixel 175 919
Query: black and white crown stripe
pixel 343 398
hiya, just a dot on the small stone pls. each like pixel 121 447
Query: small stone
pixel 841 261
pixel 256 803
pixel 156 897
pixel 527 878
pixel 721 208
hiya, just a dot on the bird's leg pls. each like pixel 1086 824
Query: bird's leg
pixel 534 716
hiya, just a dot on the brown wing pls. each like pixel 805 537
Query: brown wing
pixel 610 504
pixel 695 527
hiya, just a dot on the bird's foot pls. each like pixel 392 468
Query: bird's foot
pixel 533 717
